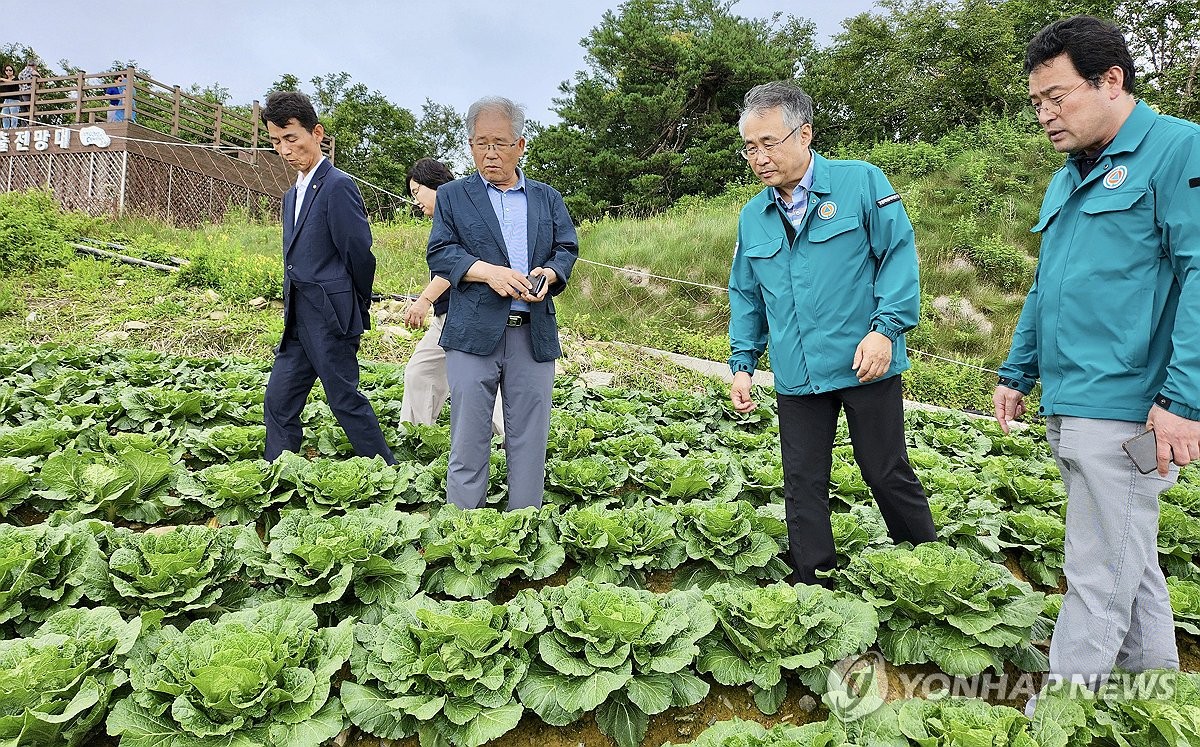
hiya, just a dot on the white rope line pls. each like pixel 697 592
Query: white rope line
pixel 642 273
pixel 956 362
pixel 408 201
pixel 726 290
pixel 381 189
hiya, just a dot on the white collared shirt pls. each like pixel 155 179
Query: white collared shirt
pixel 302 182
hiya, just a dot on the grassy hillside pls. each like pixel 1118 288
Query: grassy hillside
pixel 972 197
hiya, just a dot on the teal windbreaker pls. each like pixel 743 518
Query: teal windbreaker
pixel 1112 322
pixel 851 268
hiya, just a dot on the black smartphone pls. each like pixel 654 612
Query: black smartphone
pixel 1143 450
pixel 538 282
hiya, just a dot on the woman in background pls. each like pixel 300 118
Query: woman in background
pixel 425 387
pixel 8 92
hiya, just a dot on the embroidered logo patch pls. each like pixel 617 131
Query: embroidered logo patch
pixel 885 201
pixel 1116 177
pixel 827 210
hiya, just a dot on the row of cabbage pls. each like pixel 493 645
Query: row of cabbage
pixel 455 672
pixel 607 446
pixel 932 604
pixel 464 672
pixel 145 479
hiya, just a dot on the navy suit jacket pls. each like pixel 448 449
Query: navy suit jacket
pixel 327 259
pixel 465 230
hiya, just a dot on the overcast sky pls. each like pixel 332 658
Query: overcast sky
pixel 452 51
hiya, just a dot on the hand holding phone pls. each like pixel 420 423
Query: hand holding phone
pixel 1143 450
pixel 538 282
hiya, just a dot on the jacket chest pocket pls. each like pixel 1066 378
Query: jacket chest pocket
pixel 767 261
pixel 824 232
pixel 1121 232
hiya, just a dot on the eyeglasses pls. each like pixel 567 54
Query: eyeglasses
pixel 751 152
pixel 493 147
pixel 1057 101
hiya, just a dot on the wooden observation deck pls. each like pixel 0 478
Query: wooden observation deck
pixel 150 149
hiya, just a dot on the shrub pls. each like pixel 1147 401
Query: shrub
pixel 219 265
pixel 1002 263
pixel 33 233
pixel 909 159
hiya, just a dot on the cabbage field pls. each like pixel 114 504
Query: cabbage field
pixel 162 586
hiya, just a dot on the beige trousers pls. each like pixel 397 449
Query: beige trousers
pixel 425 386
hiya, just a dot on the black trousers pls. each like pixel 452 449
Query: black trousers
pixel 309 352
pixel 807 426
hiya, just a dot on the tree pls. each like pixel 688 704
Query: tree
pixel 376 140
pixel 915 71
pixel 1164 37
pixel 445 133
pixel 286 82
pixel 655 115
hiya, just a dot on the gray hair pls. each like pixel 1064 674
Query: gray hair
pixel 515 113
pixel 797 105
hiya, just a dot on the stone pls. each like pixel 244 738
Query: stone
pixel 390 332
pixel 210 295
pixel 218 315
pixel 259 303
pixel 134 326
pixel 114 336
pixel 277 304
pixel 597 378
pixel 32 317
pixel 807 704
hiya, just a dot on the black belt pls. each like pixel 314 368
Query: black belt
pixel 518 318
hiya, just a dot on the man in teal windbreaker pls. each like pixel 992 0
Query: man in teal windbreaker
pixel 1112 328
pixel 825 268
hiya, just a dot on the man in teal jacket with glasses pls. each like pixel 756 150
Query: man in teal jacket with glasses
pixel 825 268
pixel 1111 326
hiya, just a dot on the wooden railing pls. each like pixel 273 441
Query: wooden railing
pixel 82 99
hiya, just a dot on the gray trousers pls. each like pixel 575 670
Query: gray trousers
pixel 1116 611
pixel 527 386
pixel 425 385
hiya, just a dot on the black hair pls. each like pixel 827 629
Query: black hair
pixel 284 106
pixel 1093 46
pixel 429 172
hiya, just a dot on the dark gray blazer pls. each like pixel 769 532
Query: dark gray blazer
pixel 465 230
pixel 327 259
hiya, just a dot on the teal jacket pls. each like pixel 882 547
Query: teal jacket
pixel 850 269
pixel 1112 322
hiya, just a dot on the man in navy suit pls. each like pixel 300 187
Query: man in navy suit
pixel 328 271
pixel 495 234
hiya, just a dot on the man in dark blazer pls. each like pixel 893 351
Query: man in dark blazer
pixel 495 236
pixel 328 271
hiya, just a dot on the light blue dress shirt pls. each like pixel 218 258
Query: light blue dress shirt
pixel 798 207
pixel 512 211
